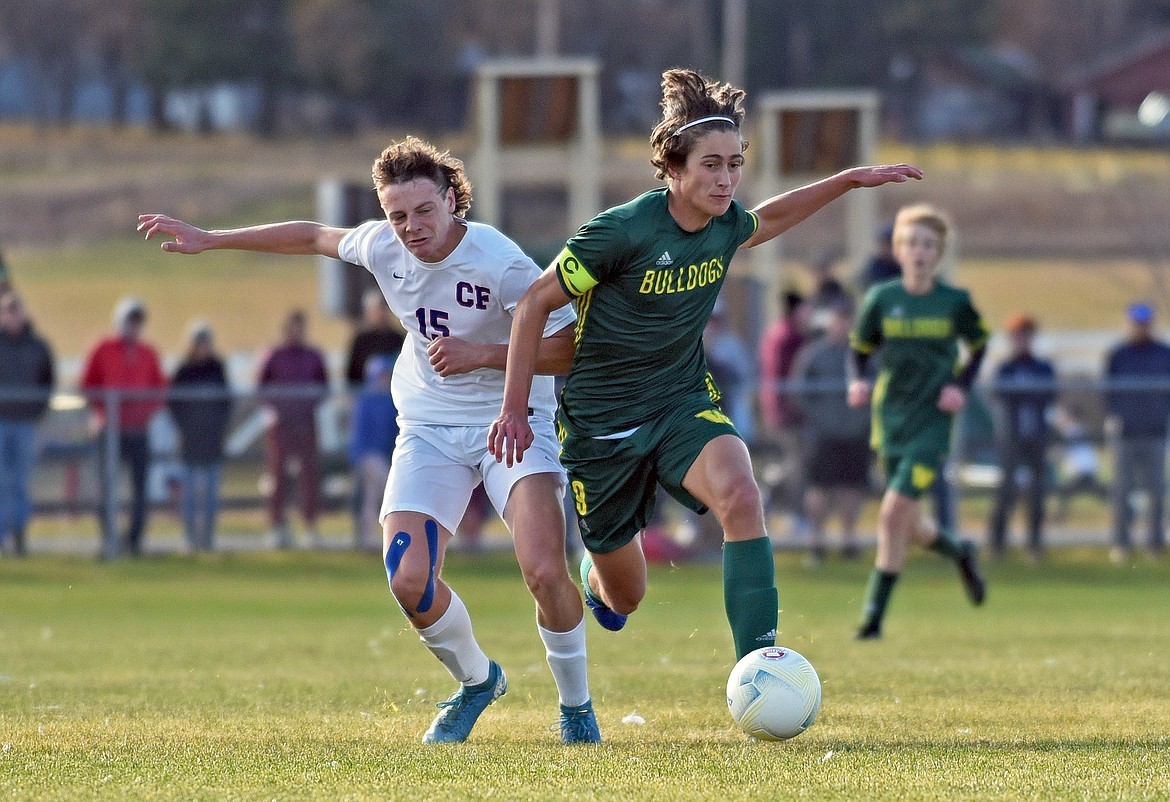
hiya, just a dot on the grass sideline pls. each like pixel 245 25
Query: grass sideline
pixel 293 676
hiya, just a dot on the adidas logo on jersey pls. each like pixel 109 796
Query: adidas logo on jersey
pixel 664 260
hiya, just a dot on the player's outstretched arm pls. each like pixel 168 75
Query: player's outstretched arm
pixel 296 237
pixel 510 435
pixel 782 212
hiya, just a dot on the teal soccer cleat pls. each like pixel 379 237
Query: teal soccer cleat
pixel 605 616
pixel 462 710
pixel 579 725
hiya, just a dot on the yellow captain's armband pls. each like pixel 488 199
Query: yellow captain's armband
pixel 573 273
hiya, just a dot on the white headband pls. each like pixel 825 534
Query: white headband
pixel 713 118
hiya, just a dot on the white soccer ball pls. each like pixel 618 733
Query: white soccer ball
pixel 773 693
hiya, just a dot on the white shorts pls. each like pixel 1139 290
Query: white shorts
pixel 436 468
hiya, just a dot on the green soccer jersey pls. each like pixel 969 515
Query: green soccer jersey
pixel 644 289
pixel 918 336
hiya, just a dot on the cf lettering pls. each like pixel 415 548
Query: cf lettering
pixel 472 295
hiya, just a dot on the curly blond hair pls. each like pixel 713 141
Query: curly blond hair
pixel 414 158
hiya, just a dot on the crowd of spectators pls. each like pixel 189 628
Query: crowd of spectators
pixel 787 401
pixel 1042 446
pixel 124 386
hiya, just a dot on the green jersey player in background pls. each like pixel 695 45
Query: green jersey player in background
pixel 639 408
pixel 917 321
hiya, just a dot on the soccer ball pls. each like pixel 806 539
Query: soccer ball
pixel 773 693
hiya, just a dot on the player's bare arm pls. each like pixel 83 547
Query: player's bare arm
pixel 510 435
pixel 452 355
pixel 781 212
pixel 295 237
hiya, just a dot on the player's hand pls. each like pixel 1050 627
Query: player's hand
pixel 952 398
pixel 186 237
pixel 450 355
pixel 858 393
pixel 509 437
pixel 877 175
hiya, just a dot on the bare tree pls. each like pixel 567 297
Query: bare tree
pixel 1063 35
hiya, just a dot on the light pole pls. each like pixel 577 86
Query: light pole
pixel 548 27
pixel 734 49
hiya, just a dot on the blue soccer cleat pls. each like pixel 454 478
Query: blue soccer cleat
pixel 579 725
pixel 605 616
pixel 461 711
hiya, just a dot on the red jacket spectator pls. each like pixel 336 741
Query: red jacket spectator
pixel 778 348
pixel 124 362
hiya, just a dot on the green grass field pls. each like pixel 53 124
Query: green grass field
pixel 293 676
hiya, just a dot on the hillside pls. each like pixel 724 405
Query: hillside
pixel 84 185
pixel 1072 235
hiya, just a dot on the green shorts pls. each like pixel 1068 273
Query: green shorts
pixel 614 482
pixel 911 474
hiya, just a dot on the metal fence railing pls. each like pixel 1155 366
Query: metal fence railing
pixel 71 454
pixel 74 451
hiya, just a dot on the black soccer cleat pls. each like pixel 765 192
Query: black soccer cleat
pixel 969 572
pixel 869 631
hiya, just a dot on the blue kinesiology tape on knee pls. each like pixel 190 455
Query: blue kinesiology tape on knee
pixel 395 552
pixel 428 597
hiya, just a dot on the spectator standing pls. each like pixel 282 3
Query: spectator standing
pixel 1138 402
pixel 826 291
pixel 125 362
pixel 293 382
pixel 371 446
pixel 201 406
pixel 778 349
pixel 780 415
pixel 881 266
pixel 1079 464
pixel 730 363
pixel 26 381
pixel 379 335
pixel 837 438
pixel 1024 389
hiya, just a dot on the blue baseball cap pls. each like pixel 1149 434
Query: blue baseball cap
pixel 1140 313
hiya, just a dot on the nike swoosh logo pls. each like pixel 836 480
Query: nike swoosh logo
pixel 397 276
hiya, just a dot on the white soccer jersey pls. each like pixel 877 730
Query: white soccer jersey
pixel 471 295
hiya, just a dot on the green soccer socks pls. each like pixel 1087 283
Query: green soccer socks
pixel 749 593
pixel 877 596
